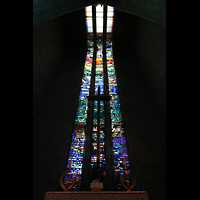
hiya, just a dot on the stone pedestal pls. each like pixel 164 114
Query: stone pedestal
pixel 97 195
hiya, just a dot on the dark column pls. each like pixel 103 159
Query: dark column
pixel 106 91
pixel 92 84
pixel 88 143
pixel 108 136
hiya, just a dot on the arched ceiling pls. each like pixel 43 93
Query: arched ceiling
pixel 152 10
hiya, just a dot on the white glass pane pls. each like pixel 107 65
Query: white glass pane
pixel 90 30
pixel 88 14
pixel 99 8
pixel 110 8
pixel 100 30
pixel 99 22
pixel 89 8
pixel 99 14
pixel 108 30
pixel 89 22
pixel 109 21
pixel 109 14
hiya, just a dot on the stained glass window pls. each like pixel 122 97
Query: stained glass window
pixel 99 83
pixel 118 138
pixel 78 136
pixel 88 14
pixel 99 19
pixel 110 14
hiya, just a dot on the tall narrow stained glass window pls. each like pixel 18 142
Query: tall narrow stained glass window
pixel 78 136
pixel 118 138
pixel 99 83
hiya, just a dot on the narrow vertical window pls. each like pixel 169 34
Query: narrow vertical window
pixel 99 19
pixel 120 155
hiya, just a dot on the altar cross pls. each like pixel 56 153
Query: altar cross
pixel 98 99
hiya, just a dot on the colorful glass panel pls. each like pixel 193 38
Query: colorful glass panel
pixel 78 136
pixel 118 138
pixel 99 82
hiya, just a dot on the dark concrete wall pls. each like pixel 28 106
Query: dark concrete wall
pixel 143 44
pixel 60 48
pixel 139 56
pixel 54 43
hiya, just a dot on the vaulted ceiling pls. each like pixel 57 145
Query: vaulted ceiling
pixel 152 10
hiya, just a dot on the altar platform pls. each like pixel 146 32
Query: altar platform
pixel 97 195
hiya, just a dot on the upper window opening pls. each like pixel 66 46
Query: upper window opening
pixel 99 19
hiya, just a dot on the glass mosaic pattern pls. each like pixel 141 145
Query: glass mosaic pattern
pixel 118 138
pixel 78 137
pixel 99 66
pixel 99 82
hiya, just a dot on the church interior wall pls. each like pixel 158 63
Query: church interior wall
pixel 57 43
pixel 138 50
pixel 143 42
pixel 59 50
pixel 58 61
